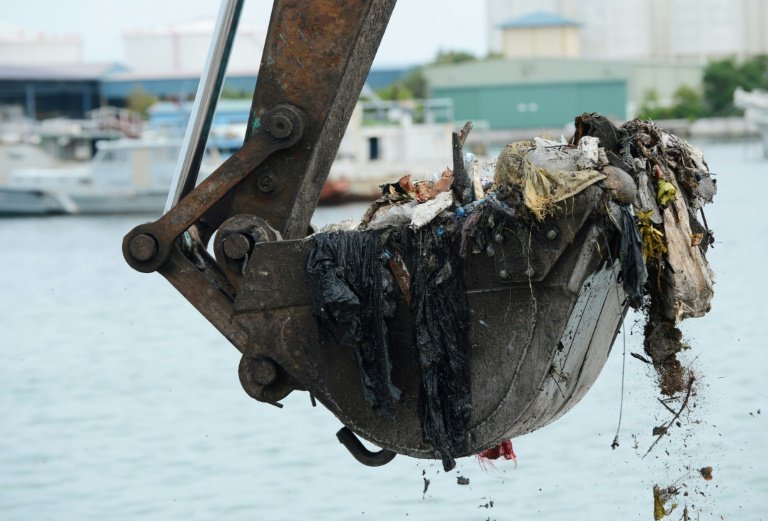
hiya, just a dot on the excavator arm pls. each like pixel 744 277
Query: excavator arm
pixel 316 59
pixel 535 341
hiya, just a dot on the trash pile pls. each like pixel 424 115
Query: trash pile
pixel 673 186
pixel 412 242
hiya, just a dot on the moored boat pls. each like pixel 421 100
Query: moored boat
pixel 125 176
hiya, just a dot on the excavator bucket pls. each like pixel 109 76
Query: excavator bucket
pixel 468 347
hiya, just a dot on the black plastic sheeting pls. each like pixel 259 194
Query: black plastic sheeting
pixel 616 143
pixel 440 313
pixel 352 294
pixel 633 271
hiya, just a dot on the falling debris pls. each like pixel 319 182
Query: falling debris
pixel 662 430
pixel 706 473
pixel 502 450
pixel 487 504
pixel 461 480
pixel 662 496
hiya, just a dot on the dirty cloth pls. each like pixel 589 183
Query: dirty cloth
pixel 689 281
pixel 679 182
pixel 633 271
pixel 673 182
pixel 440 313
pixel 352 294
pixel 541 187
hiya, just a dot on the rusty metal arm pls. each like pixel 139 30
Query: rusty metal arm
pixel 317 56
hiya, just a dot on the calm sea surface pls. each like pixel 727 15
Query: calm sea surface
pixel 119 401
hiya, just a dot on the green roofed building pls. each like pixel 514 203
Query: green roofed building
pixel 549 92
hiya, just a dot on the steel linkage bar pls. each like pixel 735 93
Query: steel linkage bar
pixel 208 92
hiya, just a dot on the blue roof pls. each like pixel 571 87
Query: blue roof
pixel 538 19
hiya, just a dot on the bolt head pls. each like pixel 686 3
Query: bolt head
pixel 264 371
pixel 280 126
pixel 236 246
pixel 266 183
pixel 143 247
pixel 552 234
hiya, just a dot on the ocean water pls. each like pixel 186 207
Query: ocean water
pixel 119 401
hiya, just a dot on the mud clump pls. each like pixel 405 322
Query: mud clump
pixel 662 343
pixel 706 473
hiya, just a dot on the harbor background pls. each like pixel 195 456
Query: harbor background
pixel 118 401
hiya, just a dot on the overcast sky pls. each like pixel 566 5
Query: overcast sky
pixel 417 30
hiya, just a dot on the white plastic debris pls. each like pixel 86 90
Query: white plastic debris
pixel 555 155
pixel 481 172
pixel 425 212
pixel 395 215
pixel 553 179
pixel 469 159
pixel 477 181
pixel 347 225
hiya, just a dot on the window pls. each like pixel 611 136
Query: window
pixel 373 148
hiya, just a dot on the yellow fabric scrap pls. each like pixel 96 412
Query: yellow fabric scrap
pixel 653 239
pixel 660 498
pixel 696 239
pixel 542 188
pixel 666 193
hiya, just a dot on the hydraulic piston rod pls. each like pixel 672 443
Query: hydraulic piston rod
pixel 208 92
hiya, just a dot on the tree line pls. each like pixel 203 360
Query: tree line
pixel 715 97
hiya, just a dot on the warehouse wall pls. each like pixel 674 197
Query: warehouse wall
pixel 536 105
pixel 42 99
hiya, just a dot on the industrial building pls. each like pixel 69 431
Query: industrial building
pixel 181 49
pixel 605 56
pixel 20 47
pixel 72 90
pixel 595 55
pixel 54 91
pixel 548 92
pixel 44 74
pixel 679 30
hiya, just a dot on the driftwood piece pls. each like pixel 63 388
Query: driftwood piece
pixel 462 184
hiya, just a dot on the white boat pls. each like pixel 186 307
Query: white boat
pixel 125 176
pixel 384 141
pixel 755 105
